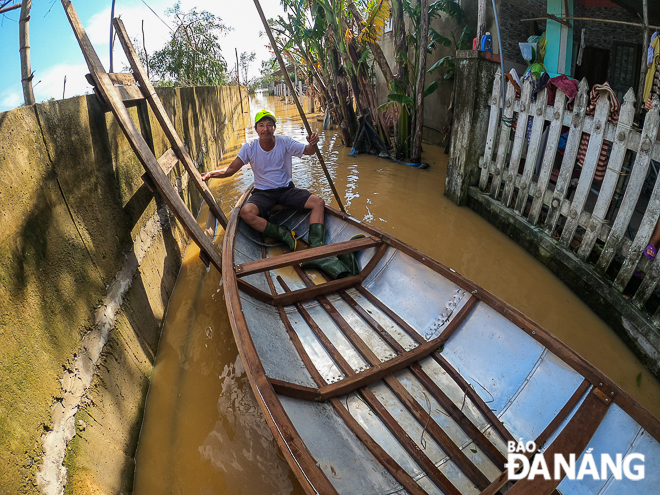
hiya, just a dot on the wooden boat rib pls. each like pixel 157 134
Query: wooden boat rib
pixel 407 378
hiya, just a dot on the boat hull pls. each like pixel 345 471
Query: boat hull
pixel 409 378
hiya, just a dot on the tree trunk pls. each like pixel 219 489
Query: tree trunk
pixel 416 153
pixel 400 46
pixel 26 68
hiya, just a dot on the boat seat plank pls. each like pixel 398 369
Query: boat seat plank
pixel 308 293
pixel 297 257
pixel 450 448
pixel 434 474
pixel 457 415
pixel 573 439
pixel 301 392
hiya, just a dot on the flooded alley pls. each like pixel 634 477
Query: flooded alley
pixel 203 431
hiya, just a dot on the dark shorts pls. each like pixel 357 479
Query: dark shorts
pixel 290 196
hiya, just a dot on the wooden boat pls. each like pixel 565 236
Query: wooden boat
pixel 407 378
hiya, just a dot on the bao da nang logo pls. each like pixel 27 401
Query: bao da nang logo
pixel 521 465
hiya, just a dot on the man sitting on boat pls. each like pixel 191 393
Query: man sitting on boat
pixel 270 158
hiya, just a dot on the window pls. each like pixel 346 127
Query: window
pixel 624 67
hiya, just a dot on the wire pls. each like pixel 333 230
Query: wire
pixel 161 20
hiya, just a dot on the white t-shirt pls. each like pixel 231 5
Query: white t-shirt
pixel 272 169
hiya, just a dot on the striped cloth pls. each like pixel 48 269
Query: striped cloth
pixel 596 92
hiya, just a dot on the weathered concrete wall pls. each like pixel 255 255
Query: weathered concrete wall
pixel 88 259
pixel 475 72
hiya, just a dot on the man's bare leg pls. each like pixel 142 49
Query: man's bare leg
pixel 317 205
pixel 250 215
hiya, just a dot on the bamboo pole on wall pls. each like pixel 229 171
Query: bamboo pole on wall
pixel 26 68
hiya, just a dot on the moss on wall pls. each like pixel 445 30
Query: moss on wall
pixel 73 205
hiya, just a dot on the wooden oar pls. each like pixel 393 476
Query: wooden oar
pixel 295 99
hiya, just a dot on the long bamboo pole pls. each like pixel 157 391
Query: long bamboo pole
pixel 295 99
pixel 591 19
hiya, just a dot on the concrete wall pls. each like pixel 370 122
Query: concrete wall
pixel 88 260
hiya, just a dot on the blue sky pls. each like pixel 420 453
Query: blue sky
pixel 55 52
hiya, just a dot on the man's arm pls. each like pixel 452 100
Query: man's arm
pixel 223 173
pixel 311 147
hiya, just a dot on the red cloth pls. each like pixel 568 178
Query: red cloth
pixel 568 86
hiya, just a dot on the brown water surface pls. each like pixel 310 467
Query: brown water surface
pixel 203 432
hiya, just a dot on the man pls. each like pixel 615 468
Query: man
pixel 270 158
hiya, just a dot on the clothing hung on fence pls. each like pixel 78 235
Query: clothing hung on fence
pixel 655 89
pixel 596 92
pixel 567 86
pixel 652 74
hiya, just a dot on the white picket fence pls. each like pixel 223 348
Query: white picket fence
pixel 577 216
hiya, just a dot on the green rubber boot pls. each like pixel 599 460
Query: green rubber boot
pixel 331 265
pixel 278 232
pixel 349 260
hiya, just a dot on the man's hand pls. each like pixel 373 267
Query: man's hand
pixel 313 139
pixel 208 175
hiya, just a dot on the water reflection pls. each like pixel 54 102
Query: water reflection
pixel 203 431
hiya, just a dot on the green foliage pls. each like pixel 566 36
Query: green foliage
pixel 448 64
pixel 431 88
pixel 193 55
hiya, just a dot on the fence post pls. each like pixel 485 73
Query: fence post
pixel 475 72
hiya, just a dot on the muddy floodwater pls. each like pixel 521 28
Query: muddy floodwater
pixel 203 432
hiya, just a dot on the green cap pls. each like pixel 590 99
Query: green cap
pixel 264 114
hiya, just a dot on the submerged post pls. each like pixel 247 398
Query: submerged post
pixel 287 80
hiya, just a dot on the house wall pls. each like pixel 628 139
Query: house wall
pixel 88 260
pixel 514 32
